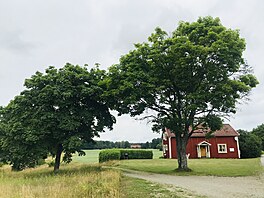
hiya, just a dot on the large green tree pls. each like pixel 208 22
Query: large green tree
pixel 194 76
pixel 59 111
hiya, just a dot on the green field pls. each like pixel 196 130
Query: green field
pixel 216 167
pixel 90 157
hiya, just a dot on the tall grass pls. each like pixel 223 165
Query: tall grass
pixel 72 181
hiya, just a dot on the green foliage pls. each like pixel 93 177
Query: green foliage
pixel 146 145
pixel 51 163
pixel 57 112
pixel 99 144
pixel 119 154
pixel 250 145
pixel 156 143
pixel 110 154
pixel 19 144
pixel 259 131
pixel 195 76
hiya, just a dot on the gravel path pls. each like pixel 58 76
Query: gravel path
pixel 215 187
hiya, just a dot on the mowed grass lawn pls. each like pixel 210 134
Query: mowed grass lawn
pixel 214 167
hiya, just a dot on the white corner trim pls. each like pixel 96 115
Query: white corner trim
pixel 238 149
pixel 170 147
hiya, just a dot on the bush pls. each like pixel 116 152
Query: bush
pixel 110 154
pixel 119 154
pixel 51 163
pixel 250 145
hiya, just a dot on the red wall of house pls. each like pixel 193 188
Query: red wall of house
pixel 192 147
pixel 173 148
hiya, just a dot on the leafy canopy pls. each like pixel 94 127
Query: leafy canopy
pixel 62 107
pixel 196 75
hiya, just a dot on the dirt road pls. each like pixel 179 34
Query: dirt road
pixel 215 187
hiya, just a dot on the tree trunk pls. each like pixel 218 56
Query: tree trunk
pixel 182 140
pixel 58 157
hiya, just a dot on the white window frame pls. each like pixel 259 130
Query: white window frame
pixel 220 145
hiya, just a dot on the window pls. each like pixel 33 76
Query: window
pixel 222 148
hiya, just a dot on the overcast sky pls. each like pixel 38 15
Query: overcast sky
pixel 35 34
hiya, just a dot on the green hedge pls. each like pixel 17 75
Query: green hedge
pixel 136 154
pixel 119 154
pixel 107 155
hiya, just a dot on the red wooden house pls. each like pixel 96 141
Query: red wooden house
pixel 222 144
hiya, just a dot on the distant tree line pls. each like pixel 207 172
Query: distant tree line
pixel 100 144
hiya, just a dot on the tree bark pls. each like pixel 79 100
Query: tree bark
pixel 58 157
pixel 182 140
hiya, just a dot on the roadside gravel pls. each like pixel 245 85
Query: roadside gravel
pixel 210 186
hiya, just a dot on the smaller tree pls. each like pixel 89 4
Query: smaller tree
pixel 259 131
pixel 146 145
pixel 155 143
pixel 127 144
pixel 250 144
pixel 57 112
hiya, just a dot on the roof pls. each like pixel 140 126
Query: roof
pixel 225 131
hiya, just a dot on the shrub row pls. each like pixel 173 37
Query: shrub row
pixel 119 154
pixel 135 154
pixel 109 154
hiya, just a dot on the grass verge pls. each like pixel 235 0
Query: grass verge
pixel 133 188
